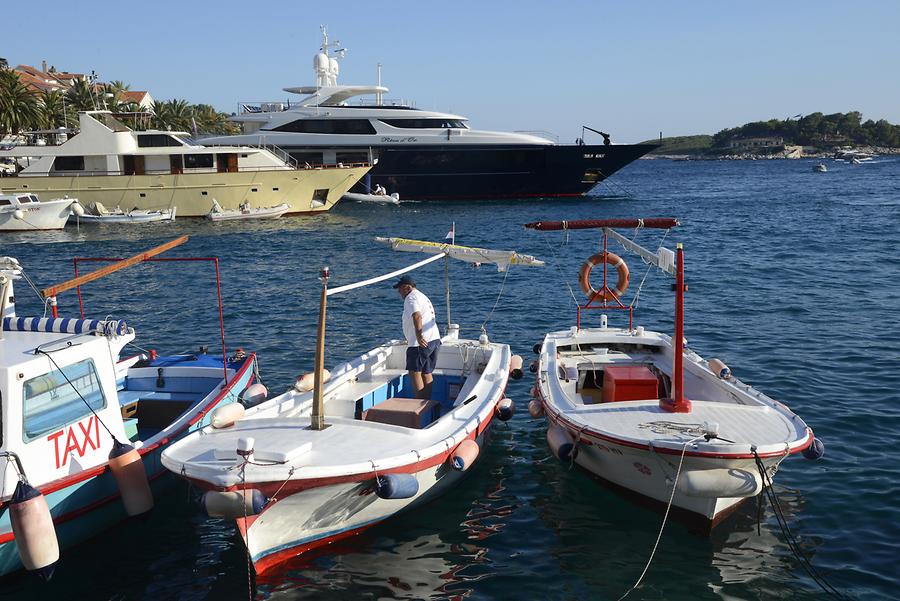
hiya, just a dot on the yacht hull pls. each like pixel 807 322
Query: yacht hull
pixel 470 172
pixel 192 193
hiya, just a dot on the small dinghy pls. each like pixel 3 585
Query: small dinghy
pixel 245 211
pixel 393 199
pixel 97 213
pixel 347 449
pixel 820 168
pixel 84 422
pixel 26 212
pixel 638 410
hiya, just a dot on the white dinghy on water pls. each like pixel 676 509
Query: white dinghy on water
pixel 245 211
pixel 636 409
pixel 392 199
pixel 347 449
pixel 97 213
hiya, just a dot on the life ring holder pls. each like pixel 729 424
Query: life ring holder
pixel 606 294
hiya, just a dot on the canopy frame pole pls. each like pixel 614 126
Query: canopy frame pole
pixel 447 288
pixel 317 419
pixel 678 403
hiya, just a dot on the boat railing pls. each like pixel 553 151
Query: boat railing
pixel 294 164
pixel 278 106
pixel 280 153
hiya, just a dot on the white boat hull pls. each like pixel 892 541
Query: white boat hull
pixel 379 198
pixel 120 218
pixel 322 515
pixel 45 215
pixel 259 213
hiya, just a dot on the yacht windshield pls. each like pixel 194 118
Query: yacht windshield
pixel 426 123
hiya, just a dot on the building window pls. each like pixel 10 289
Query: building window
pixel 328 126
pixel 51 402
pixel 321 194
pixel 198 161
pixel 70 163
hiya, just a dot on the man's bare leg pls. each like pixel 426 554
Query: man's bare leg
pixel 427 379
pixel 418 385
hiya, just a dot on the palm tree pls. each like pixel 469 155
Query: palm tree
pixel 19 108
pixel 172 114
pixel 211 121
pixel 80 96
pixel 53 109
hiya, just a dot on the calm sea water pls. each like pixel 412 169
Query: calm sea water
pixel 794 282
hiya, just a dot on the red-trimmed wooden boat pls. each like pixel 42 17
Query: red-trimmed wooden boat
pixel 640 411
pixel 345 450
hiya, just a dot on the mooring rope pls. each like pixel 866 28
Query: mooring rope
pixel 665 517
pixel 792 542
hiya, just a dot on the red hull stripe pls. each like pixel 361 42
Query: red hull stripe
pixel 267 562
pixel 573 427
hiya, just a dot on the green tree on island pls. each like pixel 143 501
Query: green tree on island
pixel 19 108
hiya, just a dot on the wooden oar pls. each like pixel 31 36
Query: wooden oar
pixel 94 275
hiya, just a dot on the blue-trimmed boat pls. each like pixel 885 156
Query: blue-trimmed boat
pixel 83 427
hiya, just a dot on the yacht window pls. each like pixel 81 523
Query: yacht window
pixel 197 161
pixel 49 402
pixel 157 140
pixel 69 163
pixel 33 198
pixel 321 194
pixel 23 199
pixel 5 202
pixel 425 123
pixel 352 157
pixel 328 126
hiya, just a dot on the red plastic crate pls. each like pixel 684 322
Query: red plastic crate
pixel 629 383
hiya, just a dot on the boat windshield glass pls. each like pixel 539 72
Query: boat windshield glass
pixel 49 402
pixel 426 123
pixel 112 123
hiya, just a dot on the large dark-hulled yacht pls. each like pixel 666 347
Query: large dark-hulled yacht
pixel 423 155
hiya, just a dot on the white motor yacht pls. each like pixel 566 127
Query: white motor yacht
pixel 421 154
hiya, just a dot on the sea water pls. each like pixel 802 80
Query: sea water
pixel 794 281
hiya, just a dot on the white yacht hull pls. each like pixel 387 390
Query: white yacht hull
pixel 192 193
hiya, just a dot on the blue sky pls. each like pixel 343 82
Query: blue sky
pixel 630 68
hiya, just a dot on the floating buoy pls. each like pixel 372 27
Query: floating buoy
pixel 396 486
pixel 464 455
pixel 537 347
pixel 535 408
pixel 505 409
pixel 720 369
pixel 233 504
pixel 77 209
pixel 32 527
pixel 307 381
pixel 254 395
pixel 226 415
pixel 128 469
pixel 814 451
pixel 534 366
pixel 515 367
pixel 19 214
pixel 561 443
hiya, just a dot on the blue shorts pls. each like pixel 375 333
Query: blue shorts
pixel 423 359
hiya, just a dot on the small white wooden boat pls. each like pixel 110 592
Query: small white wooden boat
pixel 245 211
pixel 84 422
pixel 345 450
pixel 97 213
pixel 636 409
pixel 820 168
pixel 393 199
pixel 26 212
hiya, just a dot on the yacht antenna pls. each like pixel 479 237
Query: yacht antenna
pixel 378 83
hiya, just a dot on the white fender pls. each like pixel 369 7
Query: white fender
pixel 720 482
pixel 128 468
pixel 535 408
pixel 32 527
pixel 226 415
pixel 307 382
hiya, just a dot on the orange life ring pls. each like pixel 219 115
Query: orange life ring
pixel 613 260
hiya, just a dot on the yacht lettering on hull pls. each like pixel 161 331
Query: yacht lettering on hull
pixel 398 140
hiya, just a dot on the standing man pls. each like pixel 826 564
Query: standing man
pixel 423 338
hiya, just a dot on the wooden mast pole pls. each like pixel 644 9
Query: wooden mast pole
pixel 99 273
pixel 317 420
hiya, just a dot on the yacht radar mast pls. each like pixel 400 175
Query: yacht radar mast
pixel 326 66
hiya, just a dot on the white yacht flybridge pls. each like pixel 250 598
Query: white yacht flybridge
pixel 421 154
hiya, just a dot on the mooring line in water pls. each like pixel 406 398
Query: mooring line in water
pixel 792 542
pixel 665 517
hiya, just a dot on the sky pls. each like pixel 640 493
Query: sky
pixel 631 68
